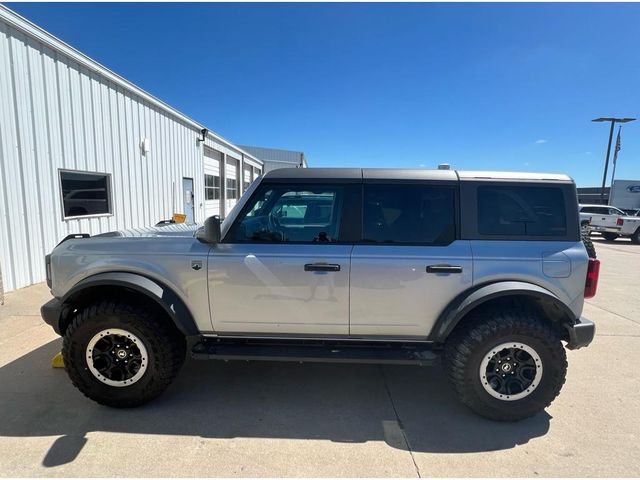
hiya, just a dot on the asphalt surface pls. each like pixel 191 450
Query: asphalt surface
pixel 278 419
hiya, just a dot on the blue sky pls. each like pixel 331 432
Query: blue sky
pixel 479 86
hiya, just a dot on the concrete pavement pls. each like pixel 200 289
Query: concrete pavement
pixel 278 419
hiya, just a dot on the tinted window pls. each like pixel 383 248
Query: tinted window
pixel 85 193
pixel 287 213
pixel 413 214
pixel 521 210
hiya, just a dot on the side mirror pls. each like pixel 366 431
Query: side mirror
pixel 211 231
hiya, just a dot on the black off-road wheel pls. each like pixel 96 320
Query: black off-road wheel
pixel 610 237
pixel 506 365
pixel 635 238
pixel 122 355
pixel 588 243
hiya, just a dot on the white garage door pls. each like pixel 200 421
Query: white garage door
pixel 212 183
pixel 233 183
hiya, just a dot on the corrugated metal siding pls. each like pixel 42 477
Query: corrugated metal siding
pixel 54 113
pixel 61 110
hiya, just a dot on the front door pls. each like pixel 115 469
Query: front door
pixel 187 194
pixel 410 265
pixel 283 267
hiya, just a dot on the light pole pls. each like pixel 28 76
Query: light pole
pixel 613 121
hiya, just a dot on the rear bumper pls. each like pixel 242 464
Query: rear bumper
pixel 51 312
pixel 581 333
pixel 605 229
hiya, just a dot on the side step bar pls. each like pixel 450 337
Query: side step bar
pixel 318 351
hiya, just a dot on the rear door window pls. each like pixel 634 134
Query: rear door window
pixel 409 214
pixel 521 211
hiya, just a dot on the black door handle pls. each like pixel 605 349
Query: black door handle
pixel 321 267
pixel 444 269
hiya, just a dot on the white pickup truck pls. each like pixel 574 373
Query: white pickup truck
pixel 611 222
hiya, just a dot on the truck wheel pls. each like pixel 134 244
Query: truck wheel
pixel 610 237
pixel 635 238
pixel 588 243
pixel 506 365
pixel 121 355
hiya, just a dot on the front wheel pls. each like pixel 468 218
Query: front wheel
pixel 121 355
pixel 506 366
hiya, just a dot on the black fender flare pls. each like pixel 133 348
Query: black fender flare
pixel 156 291
pixel 476 296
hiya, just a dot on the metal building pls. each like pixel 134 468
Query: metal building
pixel 274 158
pixel 84 150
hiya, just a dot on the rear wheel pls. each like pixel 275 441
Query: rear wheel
pixel 635 238
pixel 121 355
pixel 507 365
pixel 610 237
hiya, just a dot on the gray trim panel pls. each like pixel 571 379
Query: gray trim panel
pixel 162 295
pixel 478 295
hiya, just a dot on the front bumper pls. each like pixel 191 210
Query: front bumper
pixel 581 333
pixel 51 313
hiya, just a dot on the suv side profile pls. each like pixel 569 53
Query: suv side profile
pixel 484 272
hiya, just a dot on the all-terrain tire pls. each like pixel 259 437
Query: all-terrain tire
pixel 610 237
pixel 588 243
pixel 164 345
pixel 468 345
pixel 635 238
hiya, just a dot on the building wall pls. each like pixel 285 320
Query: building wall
pixel 275 158
pixel 60 111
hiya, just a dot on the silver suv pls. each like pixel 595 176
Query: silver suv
pixel 485 272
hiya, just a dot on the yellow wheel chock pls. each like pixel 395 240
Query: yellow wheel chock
pixel 57 361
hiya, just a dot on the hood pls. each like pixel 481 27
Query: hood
pixel 166 230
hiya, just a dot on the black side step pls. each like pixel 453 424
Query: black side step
pixel 325 352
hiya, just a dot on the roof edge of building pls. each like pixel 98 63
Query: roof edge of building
pixel 29 28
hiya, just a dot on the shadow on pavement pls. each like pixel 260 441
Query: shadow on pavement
pixel 407 407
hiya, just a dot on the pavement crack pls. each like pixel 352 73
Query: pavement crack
pixel 617 335
pixel 614 313
pixel 399 421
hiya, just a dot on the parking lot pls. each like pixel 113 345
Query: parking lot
pixel 276 419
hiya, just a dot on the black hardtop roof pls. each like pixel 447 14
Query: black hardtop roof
pixel 355 174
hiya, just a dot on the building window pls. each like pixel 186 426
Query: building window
pixel 232 188
pixel 211 187
pixel 85 193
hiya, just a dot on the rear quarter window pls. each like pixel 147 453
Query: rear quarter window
pixel 528 211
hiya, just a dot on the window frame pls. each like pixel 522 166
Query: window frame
pixel 424 183
pixel 213 188
pixel 91 215
pixel 469 210
pixel 353 229
pixel 233 161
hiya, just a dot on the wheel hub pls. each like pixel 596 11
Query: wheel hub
pixel 116 357
pixel 510 371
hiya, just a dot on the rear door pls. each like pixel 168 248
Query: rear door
pixel 283 267
pixel 410 264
